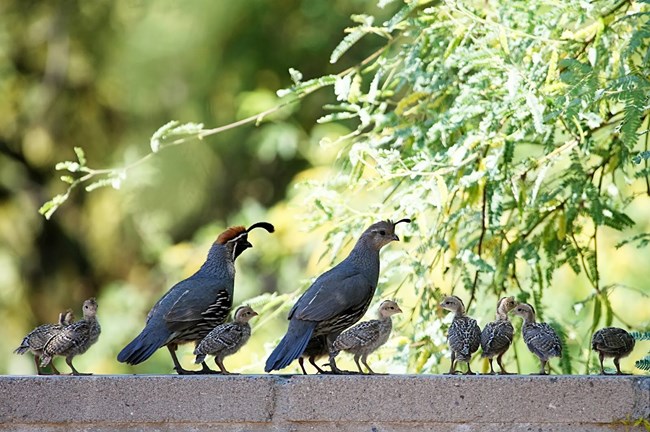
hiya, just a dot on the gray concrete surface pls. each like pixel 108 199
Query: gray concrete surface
pixel 323 403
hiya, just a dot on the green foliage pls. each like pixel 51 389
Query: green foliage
pixel 643 363
pixel 506 134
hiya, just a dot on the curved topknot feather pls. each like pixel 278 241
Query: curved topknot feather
pixel 267 226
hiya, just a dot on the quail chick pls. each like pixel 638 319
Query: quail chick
pixel 497 335
pixel 36 340
pixel 75 338
pixel 540 338
pixel 316 348
pixel 337 299
pixel 364 338
pixel 226 339
pixel 464 334
pixel 196 305
pixel 612 342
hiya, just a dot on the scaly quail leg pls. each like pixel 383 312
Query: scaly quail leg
pixel 364 360
pixel 356 360
pixel 601 357
pixel 491 367
pixel 205 370
pixel 618 367
pixel 332 358
pixel 542 371
pixel 37 360
pixel 312 360
pixel 452 367
pixel 75 372
pixel 301 362
pixel 469 370
pixel 177 366
pixel 219 362
pixel 54 369
pixel 503 369
pixel 335 369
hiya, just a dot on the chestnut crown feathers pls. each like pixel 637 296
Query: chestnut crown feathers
pixel 235 233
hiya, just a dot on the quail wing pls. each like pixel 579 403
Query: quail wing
pixel 542 340
pixel 496 336
pixel 358 336
pixel 464 336
pixel 68 338
pixel 224 337
pixel 334 292
pixel 189 309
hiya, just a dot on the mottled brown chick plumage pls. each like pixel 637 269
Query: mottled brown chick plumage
pixel 74 339
pixel 612 342
pixel 464 334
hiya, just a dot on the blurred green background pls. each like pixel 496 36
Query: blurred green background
pixel 104 75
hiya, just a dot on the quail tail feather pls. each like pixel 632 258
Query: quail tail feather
pixel 23 348
pixel 291 346
pixel 144 345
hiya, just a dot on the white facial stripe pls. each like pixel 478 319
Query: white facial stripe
pixel 244 234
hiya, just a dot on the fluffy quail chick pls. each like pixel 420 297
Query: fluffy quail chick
pixel 75 338
pixel 316 348
pixel 464 334
pixel 226 339
pixel 364 338
pixel 497 335
pixel 540 338
pixel 36 340
pixel 612 342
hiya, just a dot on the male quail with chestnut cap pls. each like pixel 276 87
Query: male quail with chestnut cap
pixel 194 306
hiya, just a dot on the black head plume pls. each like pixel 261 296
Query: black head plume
pixel 407 220
pixel 267 226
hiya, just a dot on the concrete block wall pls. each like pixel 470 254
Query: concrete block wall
pixel 323 403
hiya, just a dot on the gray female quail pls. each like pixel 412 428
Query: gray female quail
pixel 540 338
pixel 226 339
pixel 464 334
pixel 612 342
pixel 497 335
pixel 36 340
pixel 75 338
pixel 364 338
pixel 337 299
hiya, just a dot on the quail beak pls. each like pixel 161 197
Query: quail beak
pixel 254 313
pixel 399 310
pixel 248 244
pixel 395 238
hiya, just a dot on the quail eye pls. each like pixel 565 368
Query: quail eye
pixel 382 232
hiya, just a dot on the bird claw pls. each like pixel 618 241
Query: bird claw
pixel 204 371
pixel 340 372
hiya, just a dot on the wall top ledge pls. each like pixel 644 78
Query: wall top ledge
pixel 353 400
